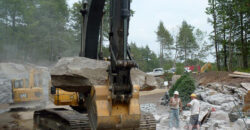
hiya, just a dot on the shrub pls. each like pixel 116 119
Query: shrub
pixel 179 68
pixel 185 86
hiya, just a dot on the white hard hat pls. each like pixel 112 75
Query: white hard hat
pixel 176 92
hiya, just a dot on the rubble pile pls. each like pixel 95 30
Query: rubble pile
pixel 224 99
pixel 148 108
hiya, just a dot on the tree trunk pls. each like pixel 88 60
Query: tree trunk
pixel 244 48
pixel 224 45
pixel 215 37
pixel 230 49
pixel 161 54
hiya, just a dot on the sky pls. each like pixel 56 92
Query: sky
pixel 148 14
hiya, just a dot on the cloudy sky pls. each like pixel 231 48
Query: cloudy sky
pixel 148 14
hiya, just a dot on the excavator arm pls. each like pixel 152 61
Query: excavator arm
pixel 121 61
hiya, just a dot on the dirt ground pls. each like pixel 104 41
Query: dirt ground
pixel 16 120
pixel 152 96
pixel 220 77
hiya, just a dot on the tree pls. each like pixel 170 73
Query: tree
pixel 144 57
pixel 231 23
pixel 35 30
pixel 186 41
pixel 165 39
pixel 204 47
pixel 212 10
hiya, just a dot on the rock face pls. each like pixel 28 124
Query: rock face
pixel 80 73
pixel 223 98
pixel 5 91
pixel 160 81
pixel 145 81
pixel 12 71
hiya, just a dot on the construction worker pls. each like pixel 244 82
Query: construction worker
pixel 176 107
pixel 195 110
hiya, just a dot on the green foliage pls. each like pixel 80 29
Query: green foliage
pixel 168 76
pixel 167 64
pixel 230 21
pixel 186 41
pixel 166 41
pixel 179 68
pixel 144 57
pixel 185 85
pixel 35 31
pixel 194 62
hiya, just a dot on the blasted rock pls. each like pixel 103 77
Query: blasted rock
pixel 145 81
pixel 219 99
pixel 80 74
pixel 160 81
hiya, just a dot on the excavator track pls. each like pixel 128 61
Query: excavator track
pixel 60 119
pixel 147 122
pixel 63 119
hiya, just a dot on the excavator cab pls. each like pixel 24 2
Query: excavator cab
pixel 26 90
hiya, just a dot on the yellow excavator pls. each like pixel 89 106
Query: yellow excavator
pixel 206 67
pixel 110 106
pixel 26 90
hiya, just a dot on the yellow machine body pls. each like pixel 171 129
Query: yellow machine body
pixel 206 67
pixel 110 115
pixel 25 90
pixel 64 98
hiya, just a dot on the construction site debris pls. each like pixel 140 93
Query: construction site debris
pixel 239 76
pixel 246 107
pixel 242 73
pixel 220 115
pixel 246 86
pixel 234 115
pixel 80 73
pixel 149 108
